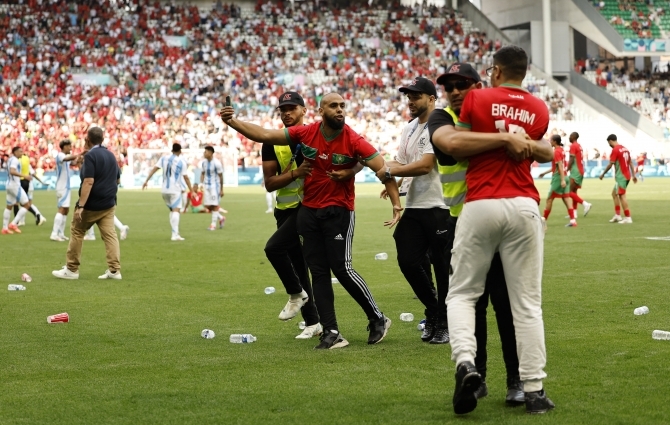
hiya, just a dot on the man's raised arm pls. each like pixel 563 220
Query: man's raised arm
pixel 253 131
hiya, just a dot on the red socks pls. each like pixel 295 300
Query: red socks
pixel 546 214
pixel 572 213
pixel 617 210
pixel 576 199
pixel 626 213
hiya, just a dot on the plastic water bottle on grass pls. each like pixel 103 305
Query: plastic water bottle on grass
pixel 382 256
pixel 661 335
pixel 15 287
pixel 269 290
pixel 242 338
pixel 422 325
pixel 641 310
pixel 301 325
pixel 406 317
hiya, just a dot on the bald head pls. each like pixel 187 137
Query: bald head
pixel 330 98
pixel 331 110
pixel 95 135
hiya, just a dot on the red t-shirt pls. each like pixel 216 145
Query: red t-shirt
pixel 196 200
pixel 621 159
pixel 576 151
pixel 326 155
pixel 559 156
pixel 493 174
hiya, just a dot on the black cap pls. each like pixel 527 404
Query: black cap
pixel 464 70
pixel 420 85
pixel 290 98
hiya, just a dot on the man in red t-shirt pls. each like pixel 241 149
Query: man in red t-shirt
pixel 559 183
pixel 326 218
pixel 194 200
pixel 576 170
pixel 500 215
pixel 623 171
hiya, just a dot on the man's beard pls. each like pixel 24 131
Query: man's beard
pixel 419 111
pixel 333 123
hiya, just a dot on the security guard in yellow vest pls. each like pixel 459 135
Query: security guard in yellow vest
pixel 457 82
pixel 284 172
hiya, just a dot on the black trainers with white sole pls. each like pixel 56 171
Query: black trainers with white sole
pixel 331 339
pixel 537 402
pixel 378 329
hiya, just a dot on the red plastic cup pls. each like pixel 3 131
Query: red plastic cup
pixel 59 318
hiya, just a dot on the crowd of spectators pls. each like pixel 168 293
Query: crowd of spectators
pixel 643 19
pixel 172 63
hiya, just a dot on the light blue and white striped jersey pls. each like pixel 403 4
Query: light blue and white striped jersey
pixel 14 163
pixel 174 167
pixel 62 172
pixel 212 169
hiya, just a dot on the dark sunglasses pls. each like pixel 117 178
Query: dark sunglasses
pixel 460 85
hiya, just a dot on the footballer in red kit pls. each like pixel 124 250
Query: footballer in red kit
pixel 623 172
pixel 576 170
pixel 500 215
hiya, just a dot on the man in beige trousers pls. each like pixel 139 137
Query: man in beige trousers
pixel 97 201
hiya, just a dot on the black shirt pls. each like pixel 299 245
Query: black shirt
pixel 439 118
pixel 268 154
pixel 100 164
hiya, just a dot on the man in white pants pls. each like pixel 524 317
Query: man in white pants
pixel 174 168
pixel 212 180
pixel 15 194
pixel 63 159
pixel 500 215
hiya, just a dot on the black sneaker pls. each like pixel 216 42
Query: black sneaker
pixel 37 219
pixel 441 336
pixel 537 402
pixel 429 330
pixel 515 395
pixel 378 329
pixel 468 381
pixel 331 339
pixel 482 391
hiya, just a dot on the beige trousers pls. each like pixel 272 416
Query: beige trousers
pixel 105 221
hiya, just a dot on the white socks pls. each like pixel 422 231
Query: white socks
pixel 215 217
pixel 34 208
pixel 269 200
pixel 5 218
pixel 19 216
pixel 57 224
pixel 174 222
pixel 118 224
pixel 63 222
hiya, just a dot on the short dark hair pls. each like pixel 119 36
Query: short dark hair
pixel 574 135
pixel 556 138
pixel 95 135
pixel 209 148
pixel 15 148
pixel 176 147
pixel 64 143
pixel 513 61
pixel 611 137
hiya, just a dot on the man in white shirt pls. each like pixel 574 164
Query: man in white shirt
pixel 15 194
pixel 174 168
pixel 212 180
pixel 423 226
pixel 63 159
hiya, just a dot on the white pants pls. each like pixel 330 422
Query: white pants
pixel 514 228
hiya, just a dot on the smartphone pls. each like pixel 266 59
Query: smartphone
pixel 227 100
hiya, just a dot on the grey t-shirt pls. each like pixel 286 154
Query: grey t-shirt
pixel 424 191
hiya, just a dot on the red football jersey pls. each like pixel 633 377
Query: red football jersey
pixel 507 108
pixel 621 159
pixel 337 153
pixel 196 200
pixel 559 156
pixel 578 153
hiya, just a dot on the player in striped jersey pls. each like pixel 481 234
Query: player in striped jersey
pixel 212 179
pixel 174 168
pixel 63 159
pixel 15 194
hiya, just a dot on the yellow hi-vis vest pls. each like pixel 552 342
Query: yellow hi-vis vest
pixel 25 166
pixel 453 180
pixel 291 195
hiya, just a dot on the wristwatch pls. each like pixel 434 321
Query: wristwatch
pixel 388 173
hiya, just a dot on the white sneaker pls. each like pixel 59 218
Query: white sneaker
pixel 89 238
pixel 269 211
pixel 57 238
pixel 22 223
pixel 626 220
pixel 65 238
pixel 587 208
pixel 310 331
pixel 42 220
pixel 617 218
pixel 64 273
pixel 212 227
pixel 124 232
pixel 110 275
pixel 177 238
pixel 293 306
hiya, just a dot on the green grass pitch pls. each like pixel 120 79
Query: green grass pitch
pixel 133 354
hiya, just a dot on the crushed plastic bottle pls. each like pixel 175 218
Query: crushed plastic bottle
pixel 270 290
pixel 207 334
pixel 382 256
pixel 641 310
pixel 422 325
pixel 661 335
pixel 406 317
pixel 15 287
pixel 242 338
pixel 301 325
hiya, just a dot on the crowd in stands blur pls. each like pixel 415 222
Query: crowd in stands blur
pixel 635 18
pixel 171 64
